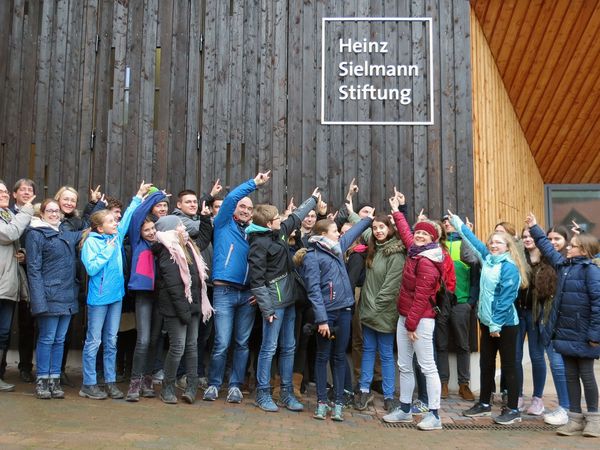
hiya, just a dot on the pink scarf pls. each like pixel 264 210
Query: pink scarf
pixel 170 240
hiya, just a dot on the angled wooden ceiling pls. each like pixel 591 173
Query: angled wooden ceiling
pixel 548 54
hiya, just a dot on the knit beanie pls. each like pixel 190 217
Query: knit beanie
pixel 429 228
pixel 167 223
pixel 154 189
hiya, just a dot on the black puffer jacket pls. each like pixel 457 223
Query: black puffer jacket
pixel 171 290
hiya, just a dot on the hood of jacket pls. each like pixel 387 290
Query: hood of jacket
pixel 390 247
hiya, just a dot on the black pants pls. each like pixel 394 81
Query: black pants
pixel 456 323
pixel 581 369
pixel 27 331
pixel 506 344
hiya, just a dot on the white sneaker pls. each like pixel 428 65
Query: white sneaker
pixel 557 417
pixel 537 407
pixel 398 416
pixel 521 404
pixel 430 422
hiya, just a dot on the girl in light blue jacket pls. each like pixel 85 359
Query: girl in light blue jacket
pixel 101 255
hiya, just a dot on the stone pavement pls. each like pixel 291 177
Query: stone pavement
pixel 26 422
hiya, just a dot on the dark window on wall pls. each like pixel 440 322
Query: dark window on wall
pixel 574 202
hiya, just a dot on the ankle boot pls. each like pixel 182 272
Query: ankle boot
pixel 42 390
pixel 189 396
pixel 465 392
pixel 444 393
pixel 592 424
pixel 148 387
pixel 167 393
pixel 297 383
pixel 56 389
pixel 288 400
pixel 574 425
pixel 4 386
pixel 133 393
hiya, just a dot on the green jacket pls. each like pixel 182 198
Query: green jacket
pixel 377 307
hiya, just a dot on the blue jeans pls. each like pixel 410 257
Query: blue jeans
pixel 51 344
pixel 7 309
pixel 536 353
pixel 102 326
pixel 557 367
pixel 340 319
pixel 234 316
pixel 374 341
pixel 280 330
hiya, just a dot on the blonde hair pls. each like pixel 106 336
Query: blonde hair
pixel 516 255
pixel 264 213
pixel 61 191
pixel 96 221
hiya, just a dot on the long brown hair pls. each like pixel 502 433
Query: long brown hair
pixel 372 244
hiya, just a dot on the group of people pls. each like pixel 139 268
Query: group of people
pixel 315 284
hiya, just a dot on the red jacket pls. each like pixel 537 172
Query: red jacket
pixel 420 279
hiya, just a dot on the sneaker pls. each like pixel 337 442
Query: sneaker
pixel 55 388
pixel 6 387
pixel 338 413
pixel 398 416
pixel 211 394
pixel 508 417
pixel 234 395
pixel 478 410
pixel 430 422
pixel 264 401
pixel 557 417
pixel 181 382
pixel 389 404
pixel 26 376
pixel 133 393
pixel 113 391
pixel 537 407
pixel 321 411
pixel 158 377
pixel 42 389
pixel 362 400
pixel 419 408
pixel 148 387
pixel 348 399
pixel 289 400
pixel 92 391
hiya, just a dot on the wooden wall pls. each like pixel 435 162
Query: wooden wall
pixel 508 183
pixel 219 89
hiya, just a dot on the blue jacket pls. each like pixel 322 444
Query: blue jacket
pixel 230 255
pixel 325 276
pixel 51 270
pixel 104 263
pixel 574 319
pixel 499 282
pixel 142 260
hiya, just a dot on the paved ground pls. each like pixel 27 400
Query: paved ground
pixel 80 423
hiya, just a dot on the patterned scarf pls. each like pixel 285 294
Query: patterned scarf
pixel 6 215
pixel 415 250
pixel 170 239
pixel 327 244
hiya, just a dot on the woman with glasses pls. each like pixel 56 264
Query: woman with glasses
pixel 573 325
pixel 53 286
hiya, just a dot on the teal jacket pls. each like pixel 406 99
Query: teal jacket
pixel 104 262
pixel 499 282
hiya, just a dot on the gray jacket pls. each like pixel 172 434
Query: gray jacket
pixel 10 232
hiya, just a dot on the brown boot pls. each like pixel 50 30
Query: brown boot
pixel 297 383
pixel 276 383
pixel 592 425
pixel 465 392
pixel 444 390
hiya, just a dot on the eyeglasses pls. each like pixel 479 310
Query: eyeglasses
pixel 573 246
pixel 52 211
pixel 277 218
pixel 4 192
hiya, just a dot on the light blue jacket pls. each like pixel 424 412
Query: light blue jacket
pixel 104 263
pixel 499 282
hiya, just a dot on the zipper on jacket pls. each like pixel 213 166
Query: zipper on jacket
pixel 229 255
pixel 330 291
pixel 101 283
pixel 278 291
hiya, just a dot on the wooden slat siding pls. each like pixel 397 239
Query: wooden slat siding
pixel 463 89
pixel 567 37
pixel 491 15
pixel 161 166
pixel 580 52
pixel 102 95
pixel 28 76
pixel 265 94
pixel 420 166
pixel 209 93
pixel 57 95
pixel 279 195
pixel 435 131
pixel 294 114
pixel 223 94
pixel 497 196
pixel 592 167
pixel 14 91
pixel 447 118
pixel 116 155
pixel 250 87
pixel 5 21
pixel 178 118
pixel 335 151
pixel 90 29
pixel 323 139
pixel 504 18
pixel 355 140
pixel 514 30
pixel 71 120
pixel 194 101
pixel 236 66
pixel 308 87
pixel 146 94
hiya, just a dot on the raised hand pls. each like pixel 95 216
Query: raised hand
pixel 30 202
pixel 144 188
pixel 394 203
pixel 316 193
pixel 205 211
pixel 468 223
pixel 262 177
pixel 95 194
pixel 216 188
pixel 421 217
pixel 352 189
pixel 575 228
pixel 371 214
pixel 530 220
pixel 321 207
pixel 400 196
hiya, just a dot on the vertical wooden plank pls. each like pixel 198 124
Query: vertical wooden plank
pixel 236 48
pixel 250 88
pixel 147 89
pixel 294 110
pixel 194 77
pixel 224 96
pixel 336 145
pixel 314 151
pixel 265 93
pixel 324 133
pixel 5 25
pixel 209 92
